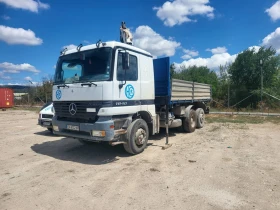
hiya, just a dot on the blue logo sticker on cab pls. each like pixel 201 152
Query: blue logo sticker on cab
pixel 58 94
pixel 129 91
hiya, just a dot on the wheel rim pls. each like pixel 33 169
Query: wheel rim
pixel 192 122
pixel 140 137
pixel 201 118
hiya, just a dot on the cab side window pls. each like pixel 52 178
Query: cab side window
pixel 131 73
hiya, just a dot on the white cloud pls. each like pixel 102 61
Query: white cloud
pixel 221 57
pixel 179 11
pixel 18 36
pixel 11 71
pixel 6 77
pixel 274 11
pixel 86 42
pixel 146 38
pixel 256 48
pixel 69 47
pixel 213 62
pixel 28 78
pixel 6 17
pixel 186 57
pixel 17 68
pixel 218 50
pixel 189 54
pixel 16 83
pixel 2 76
pixel 30 5
pixel 273 40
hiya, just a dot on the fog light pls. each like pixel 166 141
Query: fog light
pixel 98 133
pixel 55 128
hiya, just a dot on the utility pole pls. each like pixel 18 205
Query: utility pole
pixel 228 94
pixel 261 64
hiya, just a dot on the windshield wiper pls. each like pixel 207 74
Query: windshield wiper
pixel 89 84
pixel 63 85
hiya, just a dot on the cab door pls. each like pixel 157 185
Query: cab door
pixel 126 88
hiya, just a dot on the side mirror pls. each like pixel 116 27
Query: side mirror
pixel 125 61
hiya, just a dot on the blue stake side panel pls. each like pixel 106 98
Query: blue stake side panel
pixel 162 80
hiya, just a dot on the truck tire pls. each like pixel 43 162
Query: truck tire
pixel 136 137
pixel 200 118
pixel 189 123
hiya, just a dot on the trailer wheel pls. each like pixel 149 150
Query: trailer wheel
pixel 200 118
pixel 136 137
pixel 189 123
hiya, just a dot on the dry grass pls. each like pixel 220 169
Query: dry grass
pixel 212 118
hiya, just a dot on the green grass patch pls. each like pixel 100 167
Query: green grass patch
pixel 219 118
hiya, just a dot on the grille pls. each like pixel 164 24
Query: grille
pixel 49 116
pixel 62 111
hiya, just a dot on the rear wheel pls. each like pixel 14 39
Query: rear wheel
pixel 189 123
pixel 50 130
pixel 136 137
pixel 200 118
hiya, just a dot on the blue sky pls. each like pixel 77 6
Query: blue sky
pixel 191 32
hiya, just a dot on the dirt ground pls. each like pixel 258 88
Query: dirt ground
pixel 222 166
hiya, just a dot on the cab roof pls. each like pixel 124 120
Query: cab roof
pixel 111 44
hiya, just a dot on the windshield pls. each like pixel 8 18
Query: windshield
pixel 92 65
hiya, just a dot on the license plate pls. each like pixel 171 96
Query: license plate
pixel 73 127
pixel 46 123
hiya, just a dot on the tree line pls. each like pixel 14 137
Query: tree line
pixel 238 84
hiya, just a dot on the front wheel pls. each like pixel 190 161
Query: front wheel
pixel 136 137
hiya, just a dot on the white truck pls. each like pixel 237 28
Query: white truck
pixel 115 92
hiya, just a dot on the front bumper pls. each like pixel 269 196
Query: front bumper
pixel 47 123
pixel 85 129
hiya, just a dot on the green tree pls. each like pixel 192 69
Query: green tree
pixel 246 70
pixel 223 83
pixel 246 73
pixel 44 91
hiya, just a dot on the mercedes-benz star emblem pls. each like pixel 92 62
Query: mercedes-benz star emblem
pixel 72 109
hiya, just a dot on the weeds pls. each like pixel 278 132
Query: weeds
pixel 214 118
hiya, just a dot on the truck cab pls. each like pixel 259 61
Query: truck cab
pixel 99 89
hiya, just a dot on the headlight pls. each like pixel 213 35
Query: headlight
pixel 98 133
pixel 53 110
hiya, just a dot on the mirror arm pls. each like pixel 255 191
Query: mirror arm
pixel 121 85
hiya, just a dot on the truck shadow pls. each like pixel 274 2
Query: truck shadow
pixel 68 149
pixel 162 134
pixel 45 133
